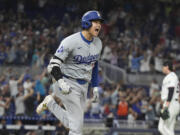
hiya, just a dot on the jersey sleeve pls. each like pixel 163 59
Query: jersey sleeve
pixel 94 80
pixel 167 83
pixel 64 49
pixel 171 82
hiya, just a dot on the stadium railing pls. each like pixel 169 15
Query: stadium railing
pixel 91 126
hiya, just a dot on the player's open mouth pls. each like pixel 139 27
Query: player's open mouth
pixel 97 29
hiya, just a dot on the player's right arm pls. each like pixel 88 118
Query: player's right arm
pixel 54 68
pixel 55 63
pixel 165 112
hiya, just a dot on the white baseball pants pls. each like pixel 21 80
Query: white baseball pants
pixel 166 127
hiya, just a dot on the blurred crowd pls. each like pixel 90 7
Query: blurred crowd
pixel 20 95
pixel 137 36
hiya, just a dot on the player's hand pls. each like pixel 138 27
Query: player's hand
pixel 164 113
pixel 64 87
pixel 95 98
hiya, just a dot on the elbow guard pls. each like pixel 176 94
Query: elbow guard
pixel 56 73
pixel 54 68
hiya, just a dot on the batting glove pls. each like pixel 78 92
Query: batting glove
pixel 164 113
pixel 64 87
pixel 95 95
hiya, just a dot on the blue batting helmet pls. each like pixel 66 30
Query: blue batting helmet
pixel 90 16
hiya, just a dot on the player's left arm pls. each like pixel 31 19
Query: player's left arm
pixel 170 88
pixel 170 95
pixel 94 80
pixel 95 83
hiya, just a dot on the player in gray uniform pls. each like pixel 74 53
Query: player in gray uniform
pixel 170 99
pixel 74 66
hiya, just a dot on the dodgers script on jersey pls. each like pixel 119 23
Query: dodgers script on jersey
pixel 78 56
pixel 171 80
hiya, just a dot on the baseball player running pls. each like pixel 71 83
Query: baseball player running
pixel 74 66
pixel 170 99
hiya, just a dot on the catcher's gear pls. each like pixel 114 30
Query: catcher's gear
pixel 88 17
pixel 95 95
pixel 64 87
pixel 164 113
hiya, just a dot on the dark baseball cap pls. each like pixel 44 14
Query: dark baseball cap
pixel 169 64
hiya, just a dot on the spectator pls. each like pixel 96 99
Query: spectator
pixel 3 55
pixel 39 87
pixel 137 108
pixel 4 131
pixel 144 64
pixel 61 129
pixel 95 110
pixel 4 104
pixel 27 84
pixel 158 63
pixel 13 84
pixel 114 58
pixel 107 53
pixel 135 63
pixel 106 109
pixel 122 110
pixel 132 116
pixel 115 96
pixel 20 99
pixel 150 115
pixel 153 87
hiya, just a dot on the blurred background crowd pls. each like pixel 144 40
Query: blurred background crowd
pixel 137 36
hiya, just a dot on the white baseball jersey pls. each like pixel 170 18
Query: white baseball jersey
pixel 170 80
pixel 166 127
pixel 78 56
